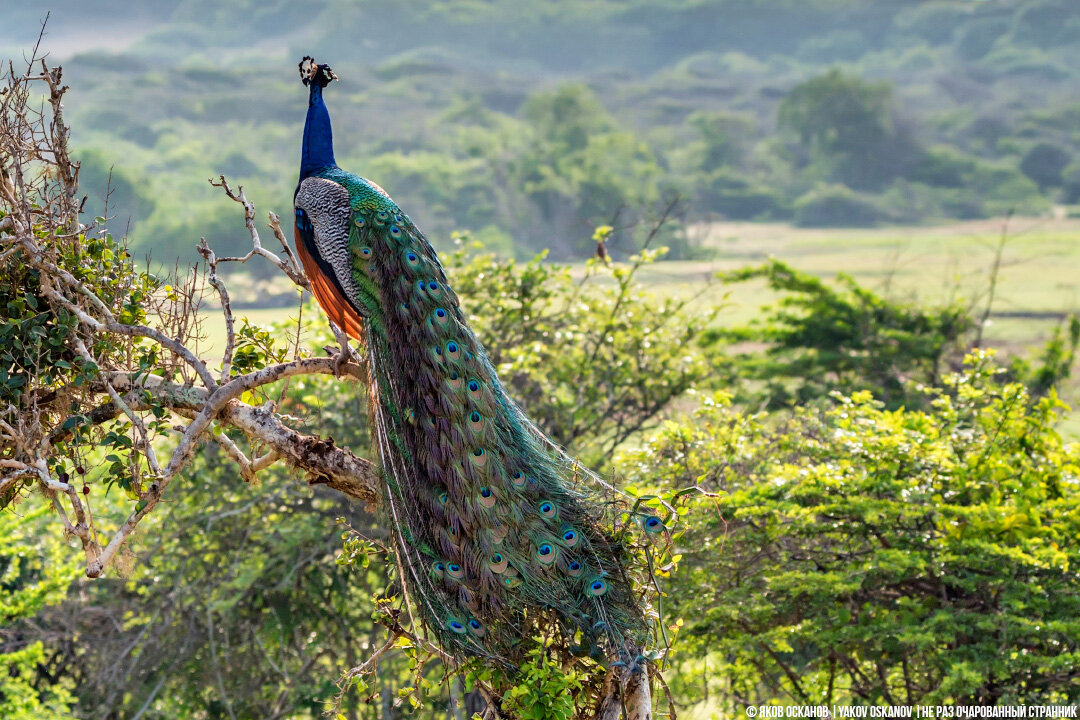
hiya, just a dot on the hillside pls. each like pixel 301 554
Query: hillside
pixel 525 123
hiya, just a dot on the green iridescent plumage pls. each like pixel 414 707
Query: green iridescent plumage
pixel 487 521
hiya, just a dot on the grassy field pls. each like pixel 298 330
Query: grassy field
pixel 1039 274
pixel 1038 277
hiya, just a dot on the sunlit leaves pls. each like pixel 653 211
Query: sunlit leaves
pixel 880 553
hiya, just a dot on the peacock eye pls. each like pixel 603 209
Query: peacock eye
pixel 473 386
pixel 569 535
pixel 485 492
pixel 474 417
pixel 575 565
pixel 412 257
pixel 365 252
pixel 439 312
pixel 395 232
pixel 452 347
pixel 544 550
pixel 478 452
pixel 433 285
pixel 597 587
pixel 421 285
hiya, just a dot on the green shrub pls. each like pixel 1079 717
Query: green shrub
pixel 863 555
pixel 845 338
pixel 737 197
pixel 1004 188
pixel 35 571
pixel 942 167
pixel 836 206
pixel 1044 164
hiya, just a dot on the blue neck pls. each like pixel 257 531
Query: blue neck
pixel 318 152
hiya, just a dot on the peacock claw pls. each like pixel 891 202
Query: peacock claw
pixel 341 358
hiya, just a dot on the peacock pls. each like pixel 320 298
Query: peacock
pixel 487 522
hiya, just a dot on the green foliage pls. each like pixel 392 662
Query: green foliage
pixel 37 357
pixel 1044 164
pixel 821 339
pixel 836 206
pixel 1055 361
pixel 726 137
pixel 580 166
pixel 738 197
pixel 846 124
pixel 110 191
pixel 34 572
pixel 466 148
pixel 593 360
pixel 1041 24
pixel 543 691
pixel 863 555
pixel 976 39
pixel 237 603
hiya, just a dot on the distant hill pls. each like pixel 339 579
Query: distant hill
pixel 524 122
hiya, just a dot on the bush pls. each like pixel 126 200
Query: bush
pixel 1071 182
pixel 35 571
pixel 1044 163
pixel 836 206
pixel 942 167
pixel 862 555
pixel 737 197
pixel 820 339
pixel 1004 188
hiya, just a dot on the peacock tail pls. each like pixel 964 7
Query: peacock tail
pixel 485 514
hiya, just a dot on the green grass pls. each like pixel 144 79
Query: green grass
pixel 1040 269
pixel 1039 274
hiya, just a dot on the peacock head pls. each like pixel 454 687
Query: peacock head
pixel 312 73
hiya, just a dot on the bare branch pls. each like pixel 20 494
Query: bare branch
pixel 291 268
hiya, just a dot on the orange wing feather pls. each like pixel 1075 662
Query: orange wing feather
pixel 330 299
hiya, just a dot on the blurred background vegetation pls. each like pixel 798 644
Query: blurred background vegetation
pixel 869 192
pixel 524 122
